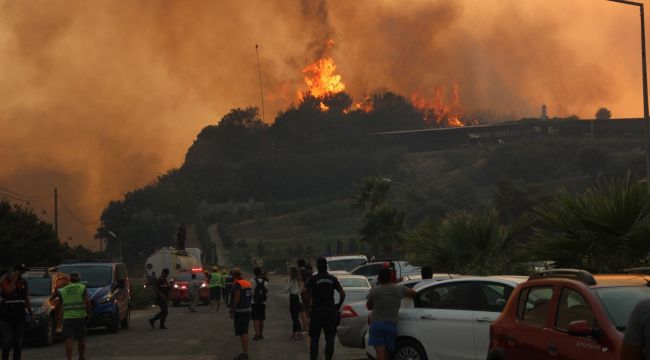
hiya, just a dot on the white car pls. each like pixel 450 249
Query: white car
pixel 370 270
pixel 451 319
pixel 345 262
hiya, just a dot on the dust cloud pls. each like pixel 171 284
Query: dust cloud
pixel 97 98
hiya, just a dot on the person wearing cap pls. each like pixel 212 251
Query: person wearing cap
pixel 76 311
pixel 240 309
pixel 324 313
pixel 14 304
pixel 162 289
pixel 216 284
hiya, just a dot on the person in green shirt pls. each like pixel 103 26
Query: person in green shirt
pixel 216 284
pixel 76 311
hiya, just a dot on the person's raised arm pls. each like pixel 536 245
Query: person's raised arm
pixel 339 288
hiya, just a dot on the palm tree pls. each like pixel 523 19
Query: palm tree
pixel 604 229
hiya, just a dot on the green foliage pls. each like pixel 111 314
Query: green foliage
pixel 604 229
pixel 261 249
pixel 372 192
pixel 223 230
pixel 144 233
pixel 467 243
pixel 353 246
pixel 383 225
pixel 24 238
pixel 592 160
pixel 603 114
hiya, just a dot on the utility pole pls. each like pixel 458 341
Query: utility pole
pixel 56 213
pixel 259 72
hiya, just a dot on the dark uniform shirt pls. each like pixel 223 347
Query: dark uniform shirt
pixel 322 286
pixel 13 303
pixel 163 286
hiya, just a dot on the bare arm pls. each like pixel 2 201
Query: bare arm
pixel 410 293
pixel 235 300
pixel 87 304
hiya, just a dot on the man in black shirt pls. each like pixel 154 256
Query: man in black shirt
pixel 162 298
pixel 324 313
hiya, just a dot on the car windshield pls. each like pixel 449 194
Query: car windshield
pixel 39 286
pixel 93 276
pixel 354 282
pixel 188 277
pixel 619 302
pixel 346 265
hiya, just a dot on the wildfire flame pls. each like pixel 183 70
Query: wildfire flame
pixel 321 78
pixel 439 113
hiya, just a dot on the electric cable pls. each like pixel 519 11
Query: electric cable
pixel 75 217
pixel 24 196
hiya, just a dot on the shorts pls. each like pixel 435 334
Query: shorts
pixel 74 328
pixel 258 312
pixel 384 333
pixel 215 293
pixel 242 320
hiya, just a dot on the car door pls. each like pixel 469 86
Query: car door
pixel 120 292
pixel 488 300
pixel 445 321
pixel 527 340
pixel 573 307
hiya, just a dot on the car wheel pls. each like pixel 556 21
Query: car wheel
pixel 114 326
pixel 48 337
pixel 127 320
pixel 409 349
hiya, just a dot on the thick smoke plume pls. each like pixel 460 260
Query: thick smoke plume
pixel 97 98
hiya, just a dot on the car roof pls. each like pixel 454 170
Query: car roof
pixel 346 257
pixel 590 280
pixel 608 280
pixel 509 279
pixel 348 276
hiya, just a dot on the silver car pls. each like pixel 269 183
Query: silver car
pixel 352 328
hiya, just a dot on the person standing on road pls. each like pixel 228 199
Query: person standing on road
pixel 324 313
pixel 194 292
pixel 293 286
pixel 216 280
pixel 162 298
pixel 258 313
pixel 76 312
pixel 636 341
pixel 240 310
pixel 13 307
pixel 384 301
pixel 227 286
pixel 305 275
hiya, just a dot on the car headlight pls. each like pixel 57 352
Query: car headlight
pixel 175 286
pixel 106 299
pixel 39 310
pixel 204 285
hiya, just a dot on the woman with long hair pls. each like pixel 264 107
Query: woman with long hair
pixel 293 286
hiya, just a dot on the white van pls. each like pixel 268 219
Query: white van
pixel 345 263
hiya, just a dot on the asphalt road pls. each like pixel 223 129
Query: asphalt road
pixel 197 336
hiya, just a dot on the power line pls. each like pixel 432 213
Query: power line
pixel 75 217
pixel 25 196
pixel 7 196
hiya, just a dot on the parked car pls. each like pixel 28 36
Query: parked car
pixel 180 291
pixel 370 270
pixel 352 328
pixel 107 284
pixel 43 285
pixel 354 316
pixel 450 319
pixel 345 263
pixel 567 314
pixel 414 279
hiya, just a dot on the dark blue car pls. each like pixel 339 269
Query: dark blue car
pixel 107 284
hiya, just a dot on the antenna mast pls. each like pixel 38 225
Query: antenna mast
pixel 259 71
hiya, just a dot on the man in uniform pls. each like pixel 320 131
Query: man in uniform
pixel 216 283
pixel 240 309
pixel 324 313
pixel 162 298
pixel 14 301
pixel 227 286
pixel 76 310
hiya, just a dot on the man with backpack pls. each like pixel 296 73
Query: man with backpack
pixel 240 310
pixel 258 312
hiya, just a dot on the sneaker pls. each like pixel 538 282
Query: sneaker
pixel 151 322
pixel 241 356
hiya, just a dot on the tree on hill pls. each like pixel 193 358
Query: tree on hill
pixel 603 114
pixel 261 250
pixel 383 225
pixel 604 229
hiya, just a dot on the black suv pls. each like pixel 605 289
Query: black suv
pixel 43 285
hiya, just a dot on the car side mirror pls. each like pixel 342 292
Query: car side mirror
pixel 580 328
pixel 121 284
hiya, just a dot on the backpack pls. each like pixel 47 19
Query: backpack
pixel 259 296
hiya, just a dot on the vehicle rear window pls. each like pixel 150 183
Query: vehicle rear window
pixel 619 301
pixel 533 305
pixel 354 282
pixel 92 275
pixel 39 286
pixel 345 265
pixel 370 270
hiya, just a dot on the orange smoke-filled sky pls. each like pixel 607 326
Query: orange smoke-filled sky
pixel 98 97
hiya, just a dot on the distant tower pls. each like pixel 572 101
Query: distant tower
pixel 544 116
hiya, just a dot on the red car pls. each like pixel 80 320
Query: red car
pixel 566 314
pixel 180 291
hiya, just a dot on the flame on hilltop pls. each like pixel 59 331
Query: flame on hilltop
pixel 437 112
pixel 321 78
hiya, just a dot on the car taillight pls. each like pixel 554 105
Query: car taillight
pixel 348 312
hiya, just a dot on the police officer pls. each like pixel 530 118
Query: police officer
pixel 14 303
pixel 240 309
pixel 162 298
pixel 227 285
pixel 76 309
pixel 324 313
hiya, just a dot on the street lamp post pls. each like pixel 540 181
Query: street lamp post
pixel 646 117
pixel 120 241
